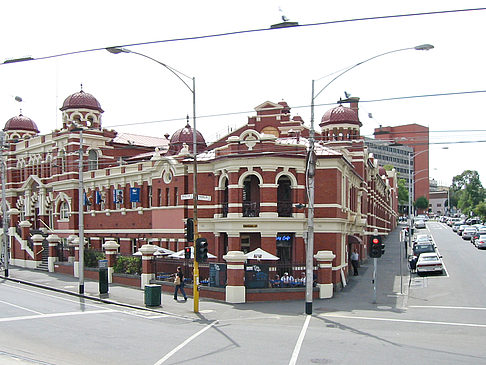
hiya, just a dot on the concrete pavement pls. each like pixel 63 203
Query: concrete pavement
pixel 357 294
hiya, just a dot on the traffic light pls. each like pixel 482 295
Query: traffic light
pixel 189 230
pixel 201 250
pixel 187 252
pixel 377 247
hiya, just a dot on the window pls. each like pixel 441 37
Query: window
pixel 92 160
pixel 159 197
pixel 175 196
pixel 167 197
pixel 149 192
pixel 64 211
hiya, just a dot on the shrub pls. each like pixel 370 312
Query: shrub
pixel 128 265
pixel 91 257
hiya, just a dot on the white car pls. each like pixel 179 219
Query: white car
pixel 481 241
pixel 429 262
pixel 420 224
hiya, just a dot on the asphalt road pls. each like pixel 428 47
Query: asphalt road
pixel 442 320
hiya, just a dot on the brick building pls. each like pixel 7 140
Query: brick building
pixel 417 137
pixel 251 186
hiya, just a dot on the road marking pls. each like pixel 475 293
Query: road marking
pixel 169 355
pixel 18 306
pixel 298 345
pixel 448 307
pixel 53 315
pixel 405 320
pixel 54 296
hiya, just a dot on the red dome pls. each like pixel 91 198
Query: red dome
pixel 339 115
pixel 81 100
pixel 184 135
pixel 21 123
pixel 382 171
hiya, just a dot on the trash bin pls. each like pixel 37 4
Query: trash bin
pixel 153 294
pixel 103 276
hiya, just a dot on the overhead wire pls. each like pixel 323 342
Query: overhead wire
pixel 248 31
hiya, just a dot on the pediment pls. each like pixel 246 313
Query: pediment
pixel 32 180
pixel 268 105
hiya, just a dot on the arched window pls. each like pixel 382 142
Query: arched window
pixel 62 162
pixel 251 196
pixel 284 197
pixel 92 160
pixel 64 210
pixel 224 199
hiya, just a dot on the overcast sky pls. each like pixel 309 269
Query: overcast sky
pixel 235 73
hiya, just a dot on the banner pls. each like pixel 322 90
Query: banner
pixel 135 195
pixel 118 196
pixel 86 200
pixel 98 198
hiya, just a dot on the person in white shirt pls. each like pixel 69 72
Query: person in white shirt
pixel 355 261
pixel 286 279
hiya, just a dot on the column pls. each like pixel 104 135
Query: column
pixel 269 244
pixel 234 242
pixel 147 264
pixel 37 238
pixel 324 273
pixel 111 249
pixel 235 273
pixel 25 229
pixel 53 240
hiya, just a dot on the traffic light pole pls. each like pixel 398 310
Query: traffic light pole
pixel 375 263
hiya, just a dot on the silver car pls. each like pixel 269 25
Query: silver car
pixel 481 241
pixel 468 233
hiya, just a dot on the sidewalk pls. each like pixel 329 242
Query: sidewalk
pixel 358 293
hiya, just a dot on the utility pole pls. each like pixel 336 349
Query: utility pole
pixel 5 240
pixel 81 213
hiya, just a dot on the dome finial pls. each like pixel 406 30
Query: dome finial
pixel 187 121
pixel 20 111
pixel 81 87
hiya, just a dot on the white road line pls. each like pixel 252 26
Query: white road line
pixel 405 320
pixel 53 315
pixel 18 306
pixel 169 355
pixel 448 307
pixel 298 345
pixel 53 296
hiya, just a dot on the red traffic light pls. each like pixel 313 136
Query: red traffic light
pixel 187 252
pixel 376 241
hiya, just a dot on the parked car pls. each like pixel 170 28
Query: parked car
pixel 480 231
pixel 480 242
pixel 421 248
pixel 475 220
pixel 468 232
pixel 420 224
pixel 461 229
pixel 455 226
pixel 429 262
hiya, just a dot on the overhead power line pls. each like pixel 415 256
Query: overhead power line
pixel 224 34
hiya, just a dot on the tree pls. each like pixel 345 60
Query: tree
pixel 402 192
pixel 422 203
pixel 468 191
pixel 480 210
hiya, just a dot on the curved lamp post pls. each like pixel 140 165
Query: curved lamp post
pixel 311 167
pixel 192 89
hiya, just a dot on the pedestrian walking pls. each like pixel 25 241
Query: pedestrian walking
pixel 355 261
pixel 179 284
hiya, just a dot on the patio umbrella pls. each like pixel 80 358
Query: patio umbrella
pixel 260 254
pixel 180 254
pixel 160 252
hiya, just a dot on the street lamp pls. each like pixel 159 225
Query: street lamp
pixel 310 172
pixel 192 89
pixel 5 239
pixel 79 128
